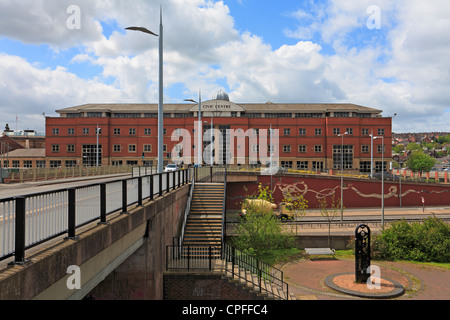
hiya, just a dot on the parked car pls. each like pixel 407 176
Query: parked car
pixel 284 213
pixel 386 176
pixel 274 170
pixel 171 167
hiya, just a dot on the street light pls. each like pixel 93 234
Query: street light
pixel 199 129
pixel 342 175
pixel 161 89
pixel 382 181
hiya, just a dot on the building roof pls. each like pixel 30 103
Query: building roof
pixel 249 107
pixel 26 153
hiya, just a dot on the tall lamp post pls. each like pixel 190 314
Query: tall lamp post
pixel 161 89
pixel 342 175
pixel 199 129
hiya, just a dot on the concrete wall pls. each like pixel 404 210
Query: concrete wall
pixel 98 251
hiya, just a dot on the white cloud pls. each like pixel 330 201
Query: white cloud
pixel 203 50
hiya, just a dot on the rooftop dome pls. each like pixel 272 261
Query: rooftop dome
pixel 221 95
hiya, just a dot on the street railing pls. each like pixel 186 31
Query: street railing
pixel 32 219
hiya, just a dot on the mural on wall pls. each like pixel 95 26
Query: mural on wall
pixel 356 193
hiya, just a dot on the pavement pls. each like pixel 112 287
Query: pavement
pixel 307 280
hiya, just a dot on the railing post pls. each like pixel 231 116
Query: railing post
pixel 124 196
pixel 188 257
pixel 160 184
pixel 173 180
pixel 167 181
pixel 20 231
pixel 139 190
pixel 103 203
pixel 151 187
pixel 211 174
pixel 72 213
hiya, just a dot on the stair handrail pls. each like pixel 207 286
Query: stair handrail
pixel 224 206
pixel 188 207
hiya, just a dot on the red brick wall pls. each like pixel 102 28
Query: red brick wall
pixel 357 193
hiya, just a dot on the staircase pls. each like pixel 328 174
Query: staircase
pixel 204 223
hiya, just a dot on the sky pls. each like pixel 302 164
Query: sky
pixel 384 54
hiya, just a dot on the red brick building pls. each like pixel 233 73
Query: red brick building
pixel 308 133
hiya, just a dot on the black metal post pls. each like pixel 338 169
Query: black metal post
pixel 72 213
pixel 160 184
pixel 173 180
pixel 167 182
pixel 140 191
pixel 124 196
pixel 151 187
pixel 210 258
pixel 103 203
pixel 20 231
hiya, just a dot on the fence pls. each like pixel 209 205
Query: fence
pixel 230 261
pixel 27 221
pixel 37 174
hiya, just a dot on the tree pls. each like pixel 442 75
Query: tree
pixel 329 212
pixel 298 204
pixel 418 161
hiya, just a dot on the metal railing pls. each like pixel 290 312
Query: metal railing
pixel 231 262
pixel 29 220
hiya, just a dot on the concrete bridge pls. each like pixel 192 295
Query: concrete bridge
pixel 68 260
pixel 64 244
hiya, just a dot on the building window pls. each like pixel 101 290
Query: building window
pixel 71 148
pixel 364 148
pixel 317 165
pixel 317 149
pixel 85 131
pixel 341 114
pixel 94 115
pixel 117 131
pixel 380 149
pixel 55 131
pixel 364 166
pixel 132 163
pixel 164 147
pixel 16 164
pixel 55 163
pixel 28 164
pixel 71 131
pixel 164 131
pixel 147 131
pixel 40 163
pixel 301 131
pixel 286 164
pixel 255 148
pixel 336 131
pixel 318 132
pixel 132 131
pixel 287 148
pixel 349 131
pixel 126 115
pixel 365 131
pixel 302 148
pixel 91 154
pixel 55 148
pixel 347 157
pixel 147 148
pixel 378 166
pixel 287 131
pixel 117 163
pixel 234 114
pixel 71 163
pixel 131 148
pixel 117 148
pixel 302 165
pixel 381 132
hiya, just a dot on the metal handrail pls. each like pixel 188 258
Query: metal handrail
pixel 29 220
pixel 230 261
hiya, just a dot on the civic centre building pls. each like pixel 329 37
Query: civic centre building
pixel 310 136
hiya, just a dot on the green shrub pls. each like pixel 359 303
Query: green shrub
pixel 428 241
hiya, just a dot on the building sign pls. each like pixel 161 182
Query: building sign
pixel 218 105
